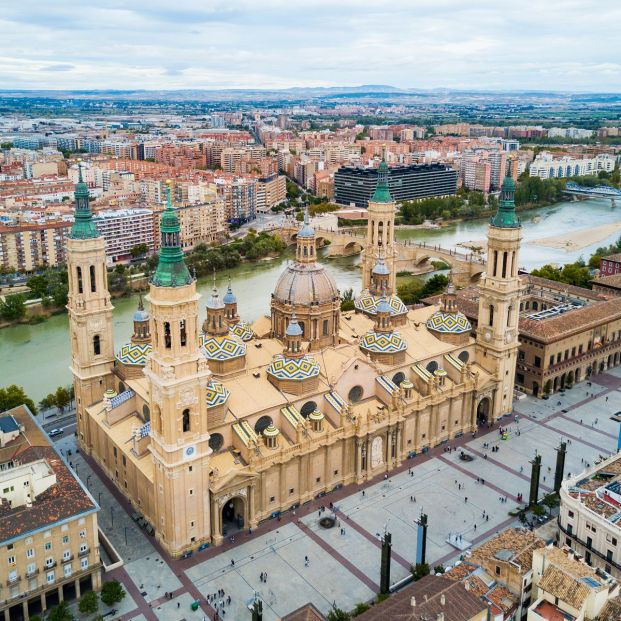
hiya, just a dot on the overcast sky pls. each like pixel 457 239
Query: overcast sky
pixel 171 44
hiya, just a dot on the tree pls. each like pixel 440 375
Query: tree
pixel 89 603
pixel 47 402
pixel 61 398
pixel 38 285
pixel 551 501
pixel 538 510
pixel 112 592
pixel 6 145
pixel 336 614
pixel 139 250
pixel 13 396
pixel 439 569
pixel 347 300
pixel 13 307
pixel 62 612
pixel 420 571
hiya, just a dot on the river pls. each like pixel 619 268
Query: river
pixel 37 357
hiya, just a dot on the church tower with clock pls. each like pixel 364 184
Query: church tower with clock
pixel 499 303
pixel 178 376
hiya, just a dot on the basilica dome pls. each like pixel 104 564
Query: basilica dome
pixel 303 284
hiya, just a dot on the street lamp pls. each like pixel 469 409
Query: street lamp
pixel 88 479
pixel 100 499
pixel 112 515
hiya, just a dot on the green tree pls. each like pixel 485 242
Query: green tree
pixel 292 190
pixel 360 608
pixel 551 500
pixel 89 603
pixel 347 300
pixel 439 569
pixel 6 145
pixel 139 250
pixel 47 402
pixel 61 398
pixel 112 592
pixel 13 307
pixel 538 510
pixel 420 571
pixel 38 285
pixel 12 396
pixel 336 614
pixel 62 612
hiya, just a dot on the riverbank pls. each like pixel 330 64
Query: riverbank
pixel 579 239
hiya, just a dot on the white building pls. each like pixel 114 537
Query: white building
pixel 125 228
pixel 546 166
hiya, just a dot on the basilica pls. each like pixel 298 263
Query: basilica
pixel 209 424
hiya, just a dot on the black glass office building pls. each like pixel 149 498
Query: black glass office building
pixel 356 185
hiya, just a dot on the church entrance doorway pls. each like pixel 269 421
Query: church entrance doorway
pixel 483 411
pixel 232 516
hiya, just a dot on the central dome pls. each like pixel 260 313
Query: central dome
pixel 303 284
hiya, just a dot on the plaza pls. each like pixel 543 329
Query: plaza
pixel 344 568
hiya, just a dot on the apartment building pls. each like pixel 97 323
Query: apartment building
pixel 123 229
pixel 49 549
pixel 271 191
pixel 240 198
pixel 26 246
pixel 547 166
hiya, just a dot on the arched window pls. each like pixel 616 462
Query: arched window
pixel 216 440
pixel 491 314
pixel 509 311
pixel 464 356
pixel 93 282
pixel 167 337
pixel 432 366
pixel 262 424
pixel 397 378
pixel 355 394
pixel 146 413
pixel 308 408
pixel 79 278
pixel 186 420
pixel 96 345
pixel 121 387
pixel 182 333
pixel 495 262
pixel 504 264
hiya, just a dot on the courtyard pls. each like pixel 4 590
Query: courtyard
pixel 302 562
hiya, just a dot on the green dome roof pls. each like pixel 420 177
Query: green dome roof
pixel 83 226
pixel 506 217
pixel 171 268
pixel 382 193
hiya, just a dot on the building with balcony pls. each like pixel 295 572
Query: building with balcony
pixel 49 548
pixel 589 515
pixel 546 166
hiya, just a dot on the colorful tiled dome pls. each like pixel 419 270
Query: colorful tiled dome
pixel 284 368
pixel 242 330
pixel 382 342
pixel 448 323
pixel 368 303
pixel 134 354
pixel 217 394
pixel 221 347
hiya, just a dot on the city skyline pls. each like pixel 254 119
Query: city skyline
pixel 482 46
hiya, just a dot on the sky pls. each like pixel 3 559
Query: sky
pixel 562 45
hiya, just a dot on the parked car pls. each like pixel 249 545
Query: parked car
pixel 56 432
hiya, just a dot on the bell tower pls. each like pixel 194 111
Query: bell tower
pixel 380 232
pixel 90 312
pixel 178 376
pixel 499 301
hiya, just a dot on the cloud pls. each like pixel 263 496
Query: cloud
pixel 58 67
pixel 484 44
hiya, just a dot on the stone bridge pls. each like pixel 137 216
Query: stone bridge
pixel 412 257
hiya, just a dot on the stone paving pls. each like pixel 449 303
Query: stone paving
pixel 344 568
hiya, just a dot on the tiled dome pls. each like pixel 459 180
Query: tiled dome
pixel 242 330
pixel 132 354
pixel 304 284
pixel 368 303
pixel 221 347
pixel 217 394
pixel 284 368
pixel 448 323
pixel 382 342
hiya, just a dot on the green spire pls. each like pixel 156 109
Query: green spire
pixel 382 193
pixel 171 269
pixel 505 217
pixel 83 225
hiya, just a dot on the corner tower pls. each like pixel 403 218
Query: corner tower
pixel 90 312
pixel 178 376
pixel 499 301
pixel 380 231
